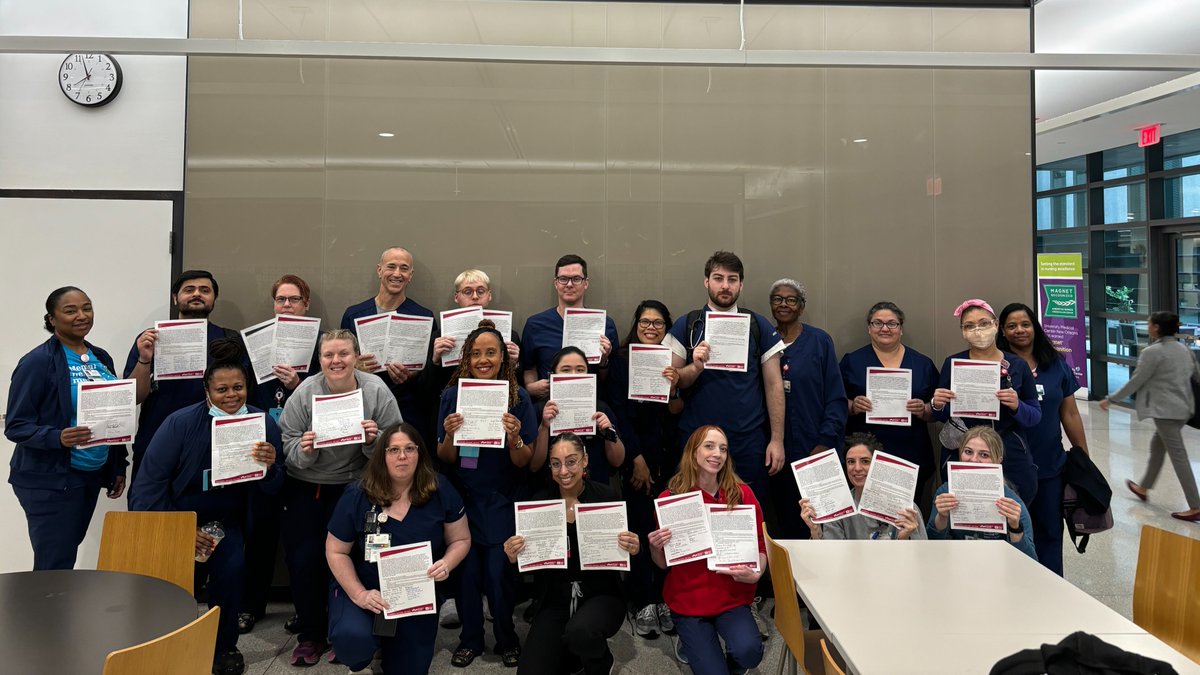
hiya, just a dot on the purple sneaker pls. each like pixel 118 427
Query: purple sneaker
pixel 308 653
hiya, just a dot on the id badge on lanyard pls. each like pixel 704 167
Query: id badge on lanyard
pixel 374 541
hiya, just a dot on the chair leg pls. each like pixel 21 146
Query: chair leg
pixel 785 655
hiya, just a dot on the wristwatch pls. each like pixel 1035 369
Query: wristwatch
pixel 1016 530
pixel 610 434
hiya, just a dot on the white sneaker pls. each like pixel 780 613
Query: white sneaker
pixel 665 623
pixel 448 615
pixel 764 630
pixel 645 622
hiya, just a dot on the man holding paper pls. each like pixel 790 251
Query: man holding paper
pixel 543 334
pixel 194 296
pixel 746 401
pixel 473 288
pixel 414 395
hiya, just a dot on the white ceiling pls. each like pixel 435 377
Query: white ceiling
pixel 1111 26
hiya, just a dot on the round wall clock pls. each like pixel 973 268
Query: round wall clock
pixel 90 80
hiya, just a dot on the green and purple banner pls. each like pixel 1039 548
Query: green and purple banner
pixel 1061 305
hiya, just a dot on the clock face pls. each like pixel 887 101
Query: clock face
pixel 89 79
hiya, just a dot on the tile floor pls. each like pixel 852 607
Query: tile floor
pixel 1118 443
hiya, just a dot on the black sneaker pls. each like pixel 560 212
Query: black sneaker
pixel 229 663
pixel 292 625
pixel 511 657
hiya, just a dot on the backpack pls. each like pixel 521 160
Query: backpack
pixel 1086 499
pixel 696 315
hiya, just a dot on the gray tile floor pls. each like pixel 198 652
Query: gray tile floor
pixel 1118 443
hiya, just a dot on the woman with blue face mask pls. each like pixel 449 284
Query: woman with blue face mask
pixel 176 476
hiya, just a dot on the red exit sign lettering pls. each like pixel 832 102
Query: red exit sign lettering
pixel 1149 135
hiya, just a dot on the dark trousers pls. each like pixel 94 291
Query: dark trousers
pixel 645 578
pixel 409 652
pixel 1046 513
pixel 783 514
pixel 224 574
pixel 59 519
pixel 306 511
pixel 701 637
pixel 557 638
pixel 486 571
pixel 262 543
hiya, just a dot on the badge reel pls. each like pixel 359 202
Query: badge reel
pixel 375 541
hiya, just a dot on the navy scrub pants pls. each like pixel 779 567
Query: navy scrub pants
pixel 307 508
pixel 486 571
pixel 225 573
pixel 59 519
pixel 1046 512
pixel 409 652
pixel 701 637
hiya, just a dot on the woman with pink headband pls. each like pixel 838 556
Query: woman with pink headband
pixel 1019 407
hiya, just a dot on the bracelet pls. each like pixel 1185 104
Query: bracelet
pixel 931 407
pixel 1016 530
pixel 145 363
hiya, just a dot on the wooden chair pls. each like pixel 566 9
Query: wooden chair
pixel 831 665
pixel 187 651
pixel 803 645
pixel 159 544
pixel 1165 597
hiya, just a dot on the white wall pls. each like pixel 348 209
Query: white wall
pixel 114 249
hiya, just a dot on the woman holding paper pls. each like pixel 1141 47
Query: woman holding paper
pixel 56 482
pixel 605 449
pixel 318 474
pixel 400 500
pixel 705 603
pixel 651 455
pixel 886 350
pixel 860 451
pixel 1022 334
pixel 490 480
pixel 982 445
pixel 1019 409
pixel 575 611
pixel 177 474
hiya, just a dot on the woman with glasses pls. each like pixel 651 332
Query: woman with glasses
pixel 490 480
pixel 605 448
pixel 1019 406
pixel 813 393
pixel 885 328
pixel 575 612
pixel 399 500
pixel 651 455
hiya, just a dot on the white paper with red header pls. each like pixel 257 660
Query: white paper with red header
pixel 337 419
pixel 503 321
pixel 597 526
pixel 233 439
pixel 543 525
pixel 890 487
pixel 735 536
pixel 482 403
pixel 977 487
pixel 408 340
pixel 259 341
pixel 295 341
pixel 975 384
pixel 372 334
pixel 181 350
pixel 823 483
pixel 109 409
pixel 728 338
pixel 687 518
pixel 575 396
pixel 646 366
pixel 889 389
pixel 458 324
pixel 582 328
pixel 404 580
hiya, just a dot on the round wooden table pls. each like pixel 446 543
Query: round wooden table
pixel 68 621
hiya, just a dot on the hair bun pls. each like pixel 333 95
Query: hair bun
pixel 225 350
pixel 487 323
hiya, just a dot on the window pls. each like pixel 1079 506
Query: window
pixel 1181 196
pixel 1061 174
pixel 1125 248
pixel 1123 162
pixel 1064 242
pixel 1125 203
pixel 1062 211
pixel 1180 150
pixel 1127 293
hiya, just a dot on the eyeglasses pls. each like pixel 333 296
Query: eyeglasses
pixel 975 328
pixel 789 300
pixel 569 281
pixel 571 464
pixel 288 299
pixel 880 325
pixel 652 323
pixel 474 292
pixel 394 450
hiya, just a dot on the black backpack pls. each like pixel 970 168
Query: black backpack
pixel 1086 499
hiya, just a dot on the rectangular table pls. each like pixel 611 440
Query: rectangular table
pixel 895 607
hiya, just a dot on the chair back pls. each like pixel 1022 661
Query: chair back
pixel 831 665
pixel 1165 600
pixel 787 607
pixel 160 544
pixel 187 651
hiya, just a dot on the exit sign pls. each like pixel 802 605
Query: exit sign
pixel 1149 135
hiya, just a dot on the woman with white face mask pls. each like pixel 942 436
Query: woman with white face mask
pixel 1019 407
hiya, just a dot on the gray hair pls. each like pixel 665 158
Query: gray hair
pixel 795 286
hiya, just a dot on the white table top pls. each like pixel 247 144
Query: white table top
pixel 895 607
pixel 976 653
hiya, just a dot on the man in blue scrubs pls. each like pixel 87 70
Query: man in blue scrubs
pixel 748 406
pixel 194 294
pixel 412 389
pixel 542 337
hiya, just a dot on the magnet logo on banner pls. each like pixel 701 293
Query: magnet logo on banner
pixel 1061 301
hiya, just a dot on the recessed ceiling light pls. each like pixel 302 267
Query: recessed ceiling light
pixel 1027 154
pixel 860 140
pixel 386 134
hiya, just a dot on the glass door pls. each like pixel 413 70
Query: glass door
pixel 1186 265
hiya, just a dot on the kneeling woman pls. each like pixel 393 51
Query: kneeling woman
pixel 575 612
pixel 174 476
pixel 860 451
pixel 409 503
pixel 706 604
pixel 982 445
